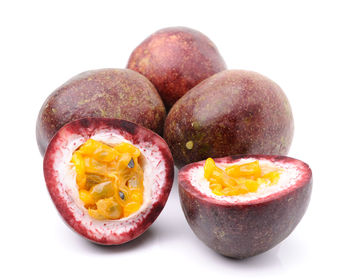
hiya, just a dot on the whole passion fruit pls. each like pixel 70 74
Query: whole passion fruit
pixel 109 93
pixel 243 206
pixel 233 112
pixel 176 59
pixel 108 178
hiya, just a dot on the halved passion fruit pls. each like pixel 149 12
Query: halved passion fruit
pixel 108 178
pixel 243 206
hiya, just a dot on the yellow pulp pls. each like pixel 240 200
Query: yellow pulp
pixel 237 179
pixel 109 179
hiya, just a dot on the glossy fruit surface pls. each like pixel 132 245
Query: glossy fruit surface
pixel 61 178
pixel 233 112
pixel 176 59
pixel 110 93
pixel 245 225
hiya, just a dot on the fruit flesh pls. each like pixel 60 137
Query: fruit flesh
pixel 238 179
pixel 109 179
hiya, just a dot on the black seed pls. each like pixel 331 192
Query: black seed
pixel 131 164
pixel 121 195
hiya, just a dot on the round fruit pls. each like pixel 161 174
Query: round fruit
pixel 175 60
pixel 243 206
pixel 108 178
pixel 110 93
pixel 233 112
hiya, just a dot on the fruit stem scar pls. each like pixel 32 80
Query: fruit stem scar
pixel 189 144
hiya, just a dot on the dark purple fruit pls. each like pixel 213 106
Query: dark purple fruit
pixel 175 60
pixel 233 112
pixel 248 224
pixel 108 93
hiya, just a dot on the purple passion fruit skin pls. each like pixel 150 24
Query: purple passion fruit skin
pixel 233 112
pixel 109 93
pixel 246 228
pixel 176 59
pixel 158 168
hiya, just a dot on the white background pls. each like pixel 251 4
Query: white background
pixel 302 45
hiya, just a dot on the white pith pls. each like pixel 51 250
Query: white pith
pixel 289 175
pixel 154 180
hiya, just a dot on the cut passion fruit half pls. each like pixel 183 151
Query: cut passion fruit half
pixel 108 178
pixel 243 206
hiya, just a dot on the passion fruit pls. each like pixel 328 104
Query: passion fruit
pixel 175 59
pixel 241 206
pixel 233 112
pixel 109 93
pixel 108 178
